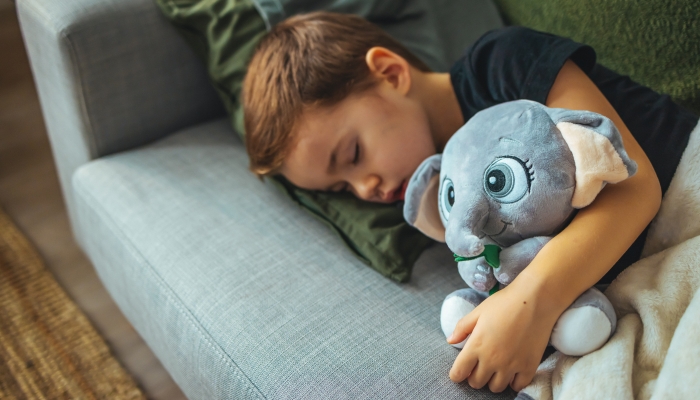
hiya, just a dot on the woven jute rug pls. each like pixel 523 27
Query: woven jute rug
pixel 48 348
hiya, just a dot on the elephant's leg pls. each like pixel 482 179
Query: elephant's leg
pixel 456 305
pixel 586 325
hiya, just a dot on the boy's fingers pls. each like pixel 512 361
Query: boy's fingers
pixel 480 376
pixel 522 379
pixel 464 327
pixel 463 366
pixel 499 381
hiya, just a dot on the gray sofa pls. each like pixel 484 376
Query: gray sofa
pixel 238 291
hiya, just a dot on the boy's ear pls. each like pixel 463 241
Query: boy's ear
pixel 596 146
pixel 421 202
pixel 385 65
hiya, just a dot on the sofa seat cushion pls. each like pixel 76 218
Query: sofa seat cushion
pixel 242 294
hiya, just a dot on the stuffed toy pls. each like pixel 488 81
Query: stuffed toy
pixel 510 179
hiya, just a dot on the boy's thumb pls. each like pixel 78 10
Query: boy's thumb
pixel 464 327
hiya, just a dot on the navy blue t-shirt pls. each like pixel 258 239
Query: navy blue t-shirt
pixel 520 63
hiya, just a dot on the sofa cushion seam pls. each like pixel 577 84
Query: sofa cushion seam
pixel 89 136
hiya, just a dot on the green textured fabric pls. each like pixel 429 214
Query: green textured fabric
pixel 656 43
pixel 224 34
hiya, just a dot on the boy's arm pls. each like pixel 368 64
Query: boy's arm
pixel 600 233
pixel 510 329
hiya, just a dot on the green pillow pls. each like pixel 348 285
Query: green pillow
pixel 656 43
pixel 224 34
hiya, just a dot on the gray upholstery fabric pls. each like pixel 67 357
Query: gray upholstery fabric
pixel 244 295
pixel 111 75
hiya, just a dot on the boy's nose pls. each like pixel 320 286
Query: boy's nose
pixel 367 187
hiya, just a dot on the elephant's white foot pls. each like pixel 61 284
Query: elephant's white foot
pixel 456 305
pixel 585 326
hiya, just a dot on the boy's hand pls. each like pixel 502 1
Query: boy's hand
pixel 509 333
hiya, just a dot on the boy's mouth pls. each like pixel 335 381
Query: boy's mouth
pixel 399 193
pixel 402 194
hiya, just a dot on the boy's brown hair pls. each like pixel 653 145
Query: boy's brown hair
pixel 315 59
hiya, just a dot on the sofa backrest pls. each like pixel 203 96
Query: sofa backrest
pixel 111 75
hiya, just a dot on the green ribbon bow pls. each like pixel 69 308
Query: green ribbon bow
pixel 490 254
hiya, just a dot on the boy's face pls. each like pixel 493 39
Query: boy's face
pixel 369 144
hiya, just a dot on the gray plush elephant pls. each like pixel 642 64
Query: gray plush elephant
pixel 511 178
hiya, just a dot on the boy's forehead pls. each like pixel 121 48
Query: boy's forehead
pixel 315 132
pixel 314 138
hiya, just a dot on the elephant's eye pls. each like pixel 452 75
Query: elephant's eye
pixel 507 179
pixel 446 197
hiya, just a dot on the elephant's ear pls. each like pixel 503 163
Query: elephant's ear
pixel 599 155
pixel 421 202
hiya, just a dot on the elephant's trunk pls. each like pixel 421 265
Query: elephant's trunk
pixel 467 246
pixel 463 231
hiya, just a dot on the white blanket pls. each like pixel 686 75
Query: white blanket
pixel 655 351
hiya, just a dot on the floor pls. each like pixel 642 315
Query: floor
pixel 30 194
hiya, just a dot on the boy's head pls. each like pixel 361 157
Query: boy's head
pixel 329 102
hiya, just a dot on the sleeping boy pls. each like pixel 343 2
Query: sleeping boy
pixel 333 103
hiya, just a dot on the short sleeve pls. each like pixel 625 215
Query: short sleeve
pixel 513 63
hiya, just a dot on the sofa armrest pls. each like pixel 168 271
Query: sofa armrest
pixel 111 75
